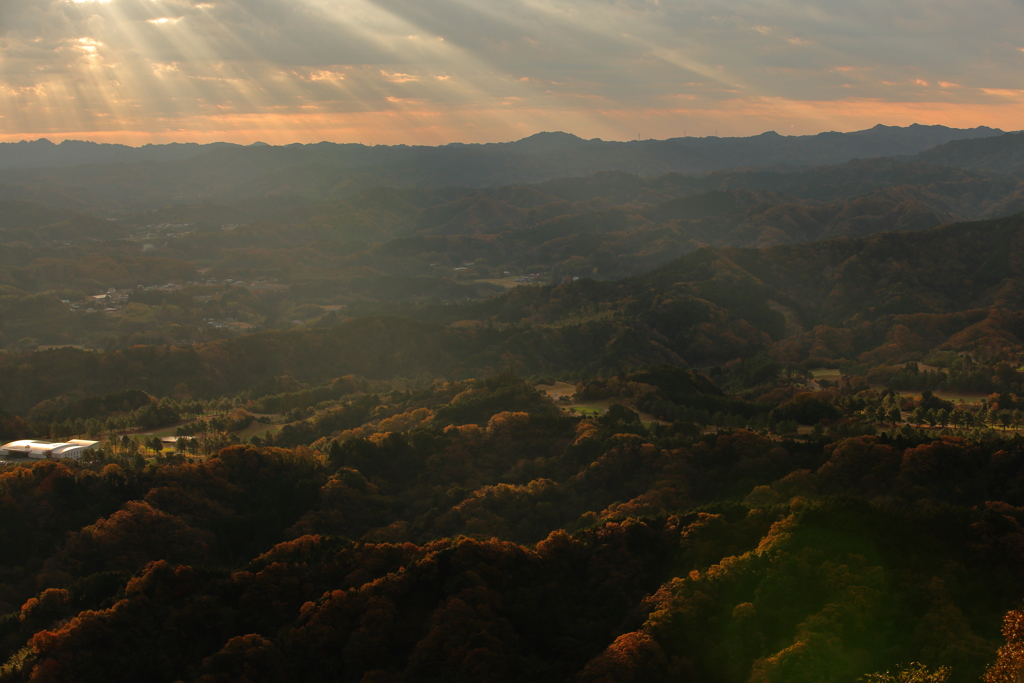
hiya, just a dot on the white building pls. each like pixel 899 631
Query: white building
pixel 47 449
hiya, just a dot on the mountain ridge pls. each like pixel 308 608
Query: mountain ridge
pixel 44 153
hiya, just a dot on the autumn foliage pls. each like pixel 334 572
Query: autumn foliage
pixel 519 545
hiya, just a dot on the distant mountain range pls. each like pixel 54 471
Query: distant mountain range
pixel 88 175
pixel 574 155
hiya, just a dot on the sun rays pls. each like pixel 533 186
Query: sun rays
pixel 472 70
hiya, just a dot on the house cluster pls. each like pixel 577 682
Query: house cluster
pixel 110 301
pixel 228 323
pixel 42 450
pixel 161 230
pixel 113 300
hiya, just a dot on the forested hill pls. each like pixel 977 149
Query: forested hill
pixel 889 297
pixel 1003 153
pixel 941 270
pixel 524 546
pixel 275 261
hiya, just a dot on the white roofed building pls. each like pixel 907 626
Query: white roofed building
pixel 42 450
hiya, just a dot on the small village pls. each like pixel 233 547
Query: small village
pixel 114 300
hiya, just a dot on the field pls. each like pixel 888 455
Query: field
pixel 593 409
pixel 953 396
pixel 557 390
pixel 257 429
pixel 598 408
pixel 164 431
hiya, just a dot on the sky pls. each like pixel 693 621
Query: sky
pixel 438 71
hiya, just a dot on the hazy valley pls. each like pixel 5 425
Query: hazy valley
pixel 737 410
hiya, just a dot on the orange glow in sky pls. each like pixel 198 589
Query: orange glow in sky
pixel 400 72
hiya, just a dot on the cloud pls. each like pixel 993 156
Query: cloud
pixel 153 67
pixel 398 77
